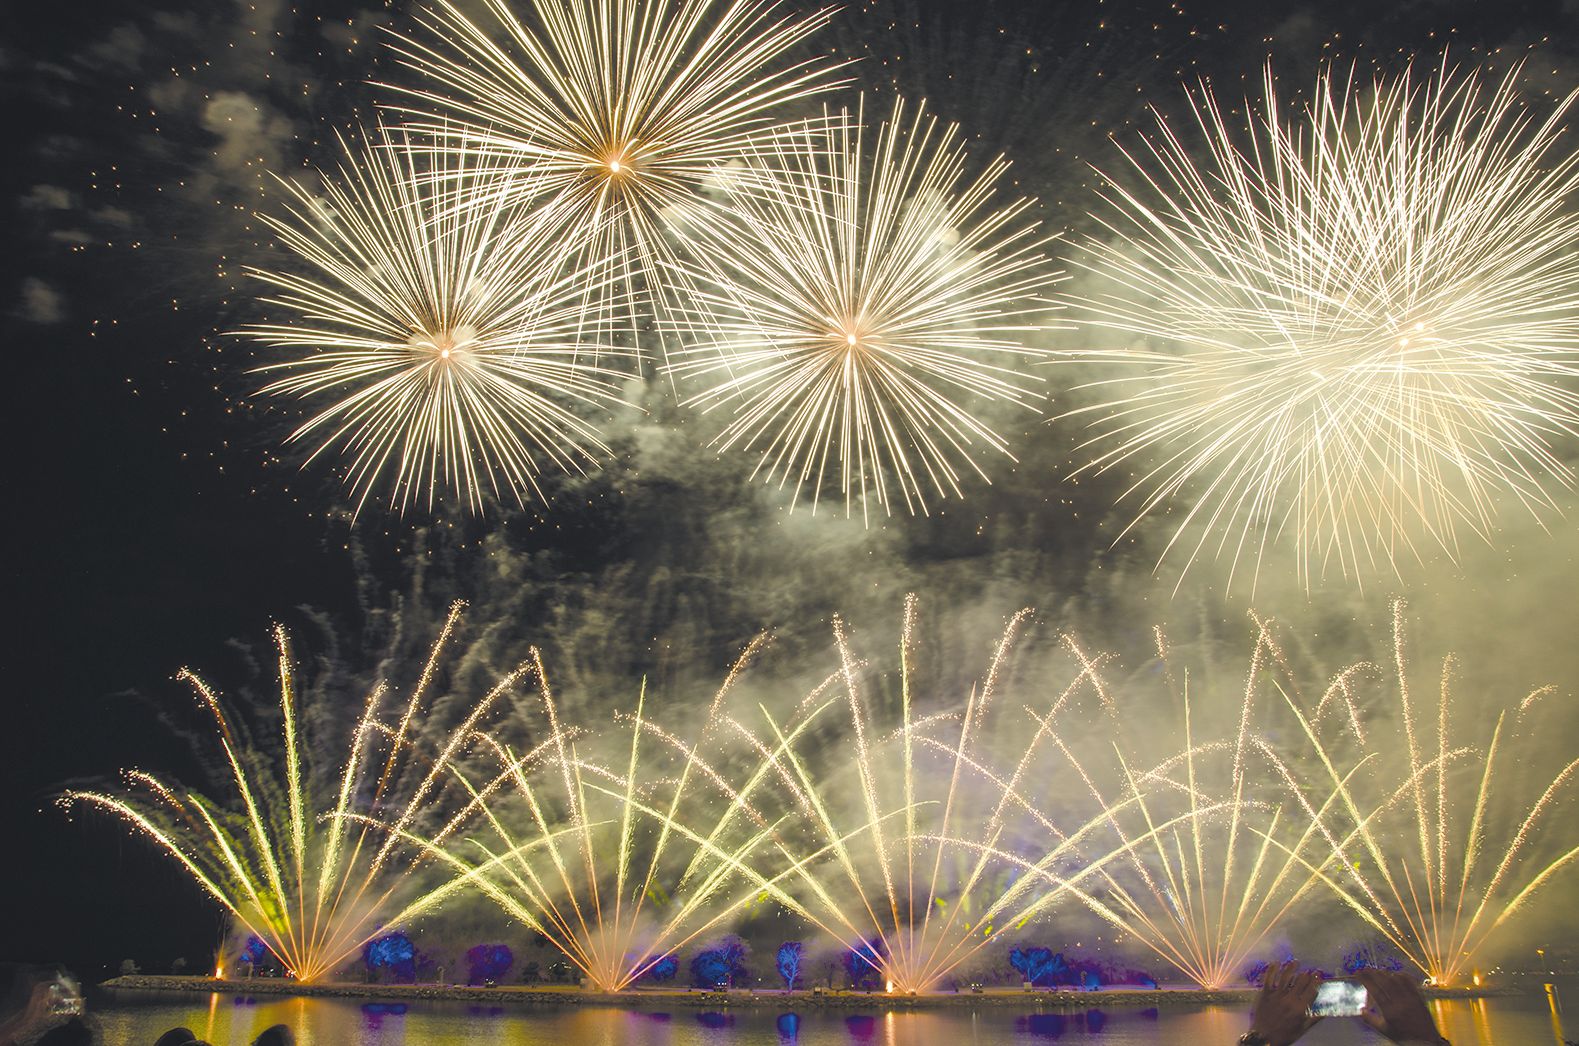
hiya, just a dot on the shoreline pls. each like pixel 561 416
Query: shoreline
pixel 647 998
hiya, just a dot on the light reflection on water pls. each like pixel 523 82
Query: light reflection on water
pixel 227 1021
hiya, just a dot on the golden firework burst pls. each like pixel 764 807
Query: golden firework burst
pixel 878 303
pixel 452 343
pixel 1358 323
pixel 619 119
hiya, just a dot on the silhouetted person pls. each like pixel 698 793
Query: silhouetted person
pixel 279 1035
pixel 176 1037
pixel 78 1031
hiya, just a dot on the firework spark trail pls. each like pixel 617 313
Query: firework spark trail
pixel 619 120
pixel 1342 687
pixel 779 769
pixel 876 304
pixel 287 877
pixel 1374 308
pixel 449 342
pixel 1432 899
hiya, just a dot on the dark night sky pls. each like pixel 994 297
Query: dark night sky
pixel 154 521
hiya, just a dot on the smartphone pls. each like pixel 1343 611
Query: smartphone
pixel 1339 999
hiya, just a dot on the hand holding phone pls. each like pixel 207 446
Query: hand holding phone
pixel 1397 1007
pixel 1282 1010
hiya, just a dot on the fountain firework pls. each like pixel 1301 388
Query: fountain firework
pixel 1204 891
pixel 1415 844
pixel 1180 857
pixel 930 870
pixel 288 859
pixel 915 840
pixel 620 867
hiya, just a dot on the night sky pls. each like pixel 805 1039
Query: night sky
pixel 157 522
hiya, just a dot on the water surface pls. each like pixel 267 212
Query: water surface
pixel 234 1021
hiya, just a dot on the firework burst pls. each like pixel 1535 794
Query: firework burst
pixel 287 859
pixel 451 343
pixel 878 302
pixel 1365 316
pixel 1419 846
pixel 620 119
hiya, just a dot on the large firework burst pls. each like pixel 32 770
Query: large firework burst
pixel 619 118
pixel 450 342
pixel 1359 321
pixel 879 301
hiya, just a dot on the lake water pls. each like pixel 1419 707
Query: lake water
pixel 1531 1020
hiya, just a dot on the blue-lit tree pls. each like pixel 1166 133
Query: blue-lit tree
pixel 663 968
pixel 391 951
pixel 1037 966
pixel 863 964
pixel 722 965
pixel 488 963
pixel 787 961
pixel 1370 957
